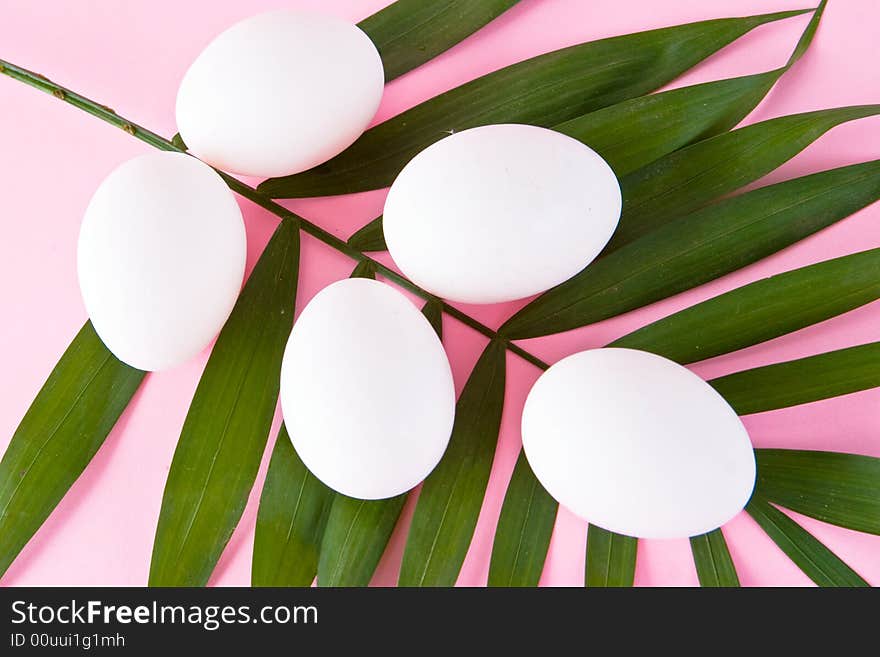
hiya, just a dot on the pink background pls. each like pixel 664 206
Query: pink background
pixel 131 56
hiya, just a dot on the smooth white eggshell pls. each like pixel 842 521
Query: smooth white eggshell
pixel 366 390
pixel 637 444
pixel 500 212
pixel 279 93
pixel 160 259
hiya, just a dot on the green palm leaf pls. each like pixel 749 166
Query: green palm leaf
pixel 451 497
pixel 228 422
pixel 433 312
pixel 524 530
pixel 841 489
pixel 62 430
pixel 545 90
pixel 355 537
pixel 364 269
pixel 803 380
pixel 639 131
pixel 712 558
pixel 611 558
pixel 370 237
pixel 290 521
pixel 636 132
pixel 699 247
pixel 409 33
pixel 762 310
pixel 816 561
pixel 694 176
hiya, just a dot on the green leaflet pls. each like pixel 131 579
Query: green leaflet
pixel 694 176
pixel 524 530
pixel 545 90
pixel 611 558
pixel 225 431
pixel 636 132
pixel 816 561
pixel 762 310
pixel 364 269
pixel 712 558
pixel 355 537
pixel 803 380
pixel 369 238
pixel 290 521
pixel 699 247
pixel 452 495
pixel 408 33
pixel 62 430
pixel 842 489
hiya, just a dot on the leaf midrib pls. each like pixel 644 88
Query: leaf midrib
pixel 345 543
pixel 522 532
pixel 712 562
pixel 214 457
pixel 608 559
pixel 400 36
pixel 293 517
pixel 792 543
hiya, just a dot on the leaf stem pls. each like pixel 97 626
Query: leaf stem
pixel 108 115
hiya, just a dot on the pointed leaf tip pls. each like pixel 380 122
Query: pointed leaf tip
pixel 408 33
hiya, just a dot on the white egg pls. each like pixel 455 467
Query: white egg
pixel 280 93
pixel 366 390
pixel 637 444
pixel 160 259
pixel 500 212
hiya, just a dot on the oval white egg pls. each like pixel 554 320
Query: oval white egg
pixel 366 390
pixel 279 93
pixel 500 212
pixel 160 259
pixel 637 444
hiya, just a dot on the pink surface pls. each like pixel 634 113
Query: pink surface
pixel 132 55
